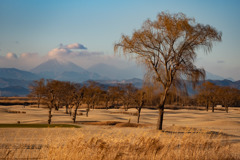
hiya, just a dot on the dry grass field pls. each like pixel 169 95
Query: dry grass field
pixel 107 134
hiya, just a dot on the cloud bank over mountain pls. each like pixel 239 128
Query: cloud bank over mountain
pixel 75 52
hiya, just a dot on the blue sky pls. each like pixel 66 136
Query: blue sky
pixel 33 30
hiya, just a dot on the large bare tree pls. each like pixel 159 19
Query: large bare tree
pixel 167 47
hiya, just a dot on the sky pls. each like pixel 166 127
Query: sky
pixel 84 31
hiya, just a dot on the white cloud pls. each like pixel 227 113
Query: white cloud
pixel 68 51
pixel 28 55
pixel 11 55
pixel 75 46
pixel 59 52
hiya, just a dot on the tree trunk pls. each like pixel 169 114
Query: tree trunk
pixel 161 109
pixel 38 103
pixel 106 104
pixel 75 115
pixel 160 117
pixel 207 105
pixel 139 111
pixel 50 115
pixel 213 108
pixel 50 107
pixel 87 110
pixel 226 108
pixel 126 107
pixel 56 107
pixel 67 109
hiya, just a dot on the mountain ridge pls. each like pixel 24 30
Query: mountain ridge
pixel 11 78
pixel 13 73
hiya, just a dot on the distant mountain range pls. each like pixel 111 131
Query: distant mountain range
pixel 15 82
pixel 13 73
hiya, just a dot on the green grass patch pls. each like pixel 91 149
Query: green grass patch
pixel 38 126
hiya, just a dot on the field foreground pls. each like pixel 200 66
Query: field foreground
pixel 188 134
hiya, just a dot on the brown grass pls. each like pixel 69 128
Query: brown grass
pixel 17 100
pixel 129 125
pixel 11 111
pixel 102 123
pixel 115 123
pixel 116 145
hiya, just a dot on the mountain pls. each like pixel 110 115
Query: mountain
pixel 13 91
pixel 115 73
pixel 57 66
pixel 64 70
pixel 226 82
pixel 211 76
pixel 4 82
pixel 15 82
pixel 13 73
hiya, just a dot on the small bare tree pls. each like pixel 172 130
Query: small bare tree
pixel 127 94
pixel 78 97
pixel 139 100
pixel 50 106
pixel 37 90
pixel 208 93
pixel 167 47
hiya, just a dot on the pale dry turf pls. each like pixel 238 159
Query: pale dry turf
pixel 109 136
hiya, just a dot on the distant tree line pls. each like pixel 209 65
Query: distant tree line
pixel 60 94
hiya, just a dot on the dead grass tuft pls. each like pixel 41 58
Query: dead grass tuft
pixel 129 125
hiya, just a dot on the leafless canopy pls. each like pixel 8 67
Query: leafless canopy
pixel 167 47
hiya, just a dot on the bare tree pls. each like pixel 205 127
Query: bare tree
pixel 67 98
pixel 78 97
pixel 57 87
pixel 228 96
pixel 139 100
pixel 167 47
pixel 91 94
pixel 127 94
pixel 115 94
pixel 208 93
pixel 38 89
pixel 106 97
pixel 50 106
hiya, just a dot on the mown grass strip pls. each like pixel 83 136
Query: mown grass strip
pixel 38 126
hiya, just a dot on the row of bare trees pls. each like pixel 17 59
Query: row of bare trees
pixel 211 95
pixel 58 94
